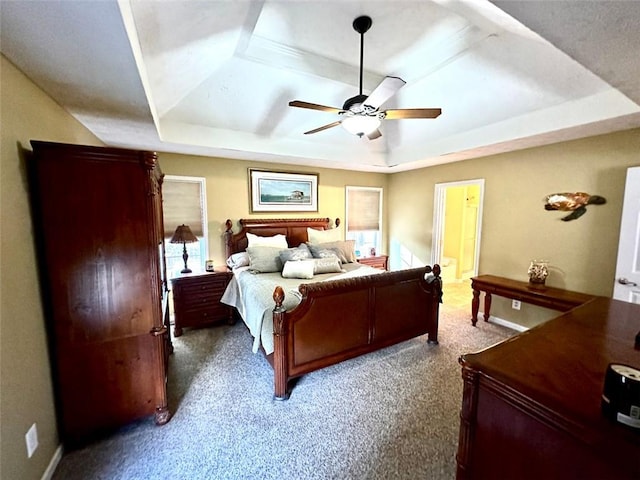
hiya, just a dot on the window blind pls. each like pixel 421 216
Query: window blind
pixel 363 208
pixel 182 204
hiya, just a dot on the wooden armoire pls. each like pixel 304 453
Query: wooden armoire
pixel 98 225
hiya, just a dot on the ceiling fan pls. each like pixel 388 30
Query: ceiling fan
pixel 361 115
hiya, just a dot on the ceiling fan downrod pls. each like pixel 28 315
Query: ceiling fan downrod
pixel 362 25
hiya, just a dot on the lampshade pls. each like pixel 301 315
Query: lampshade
pixel 360 124
pixel 183 234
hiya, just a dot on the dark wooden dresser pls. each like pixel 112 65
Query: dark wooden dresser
pixel 98 222
pixel 196 299
pixel 531 406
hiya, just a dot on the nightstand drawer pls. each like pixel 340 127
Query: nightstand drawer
pixel 216 283
pixel 198 295
pixel 200 301
pixel 204 316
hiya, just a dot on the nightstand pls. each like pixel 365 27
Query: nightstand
pixel 196 300
pixel 379 261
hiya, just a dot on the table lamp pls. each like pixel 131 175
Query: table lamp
pixel 184 235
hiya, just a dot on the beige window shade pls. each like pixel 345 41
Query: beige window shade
pixel 363 209
pixel 182 204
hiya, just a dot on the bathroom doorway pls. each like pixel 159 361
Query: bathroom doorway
pixel 457 228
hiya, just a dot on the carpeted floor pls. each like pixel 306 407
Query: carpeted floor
pixel 389 414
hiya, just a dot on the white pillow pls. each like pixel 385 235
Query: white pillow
pixel 327 265
pixel 298 269
pixel 264 259
pixel 279 241
pixel 238 260
pixel 323 236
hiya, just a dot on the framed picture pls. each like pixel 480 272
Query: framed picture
pixel 283 191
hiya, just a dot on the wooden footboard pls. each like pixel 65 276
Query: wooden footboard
pixel 343 319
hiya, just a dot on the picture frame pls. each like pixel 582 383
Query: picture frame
pixel 283 191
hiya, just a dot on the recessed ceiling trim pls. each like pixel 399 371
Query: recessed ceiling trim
pixel 274 54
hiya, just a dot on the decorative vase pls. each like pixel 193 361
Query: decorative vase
pixel 538 271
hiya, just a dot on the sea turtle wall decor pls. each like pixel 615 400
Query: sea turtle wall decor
pixel 576 203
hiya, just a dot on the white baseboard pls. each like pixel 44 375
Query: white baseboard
pixel 504 323
pixel 53 464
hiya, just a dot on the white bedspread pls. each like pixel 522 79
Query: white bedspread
pixel 252 295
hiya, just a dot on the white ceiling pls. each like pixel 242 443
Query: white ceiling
pixel 215 77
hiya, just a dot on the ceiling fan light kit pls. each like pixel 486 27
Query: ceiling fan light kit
pixel 360 125
pixel 360 114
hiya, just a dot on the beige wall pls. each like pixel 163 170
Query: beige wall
pixel 26 394
pixel 228 191
pixel 515 227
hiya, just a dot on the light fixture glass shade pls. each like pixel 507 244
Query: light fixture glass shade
pixel 360 124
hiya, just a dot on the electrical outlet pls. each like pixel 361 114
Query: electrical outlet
pixel 32 440
pixel 515 304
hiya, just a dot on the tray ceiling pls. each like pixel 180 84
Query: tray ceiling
pixel 215 77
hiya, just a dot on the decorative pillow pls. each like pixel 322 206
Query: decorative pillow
pixel 345 249
pixel 237 260
pixel 264 259
pixel 298 253
pixel 319 251
pixel 273 241
pixel 327 265
pixel 323 236
pixel 298 269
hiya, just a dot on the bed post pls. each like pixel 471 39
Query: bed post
pixel 435 304
pixel 280 346
pixel 228 233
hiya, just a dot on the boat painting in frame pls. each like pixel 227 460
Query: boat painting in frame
pixel 283 191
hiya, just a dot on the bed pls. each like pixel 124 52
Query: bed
pixel 317 323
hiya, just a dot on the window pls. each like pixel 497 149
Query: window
pixel 184 202
pixel 364 219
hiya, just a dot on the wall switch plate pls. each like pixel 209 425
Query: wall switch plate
pixel 515 304
pixel 32 440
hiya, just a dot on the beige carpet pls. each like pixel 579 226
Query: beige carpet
pixel 389 414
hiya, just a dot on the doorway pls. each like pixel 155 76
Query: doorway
pixel 626 286
pixel 457 228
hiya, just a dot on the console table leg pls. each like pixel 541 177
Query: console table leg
pixel 487 306
pixel 475 304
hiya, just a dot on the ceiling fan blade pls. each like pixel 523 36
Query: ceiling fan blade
pixel 324 127
pixel 383 92
pixel 375 134
pixel 412 113
pixel 314 106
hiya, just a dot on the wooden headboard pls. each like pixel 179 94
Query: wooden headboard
pixel 295 230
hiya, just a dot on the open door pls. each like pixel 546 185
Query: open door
pixel 627 280
pixel 456 228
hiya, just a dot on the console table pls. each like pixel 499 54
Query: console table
pixel 531 405
pixel 540 295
